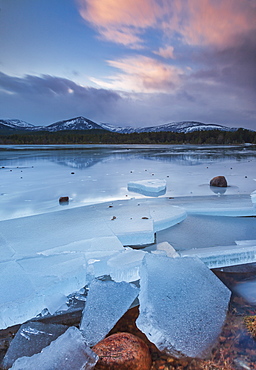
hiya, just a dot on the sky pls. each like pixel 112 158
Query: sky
pixel 129 62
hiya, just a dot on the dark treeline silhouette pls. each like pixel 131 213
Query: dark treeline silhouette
pixel 240 136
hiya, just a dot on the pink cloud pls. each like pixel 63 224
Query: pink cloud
pixel 142 74
pixel 167 52
pixel 120 21
pixel 214 22
pixel 199 22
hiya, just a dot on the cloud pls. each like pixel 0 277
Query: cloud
pixel 197 22
pixel 208 22
pixel 233 66
pixel 40 98
pixel 121 21
pixel 142 74
pixel 46 99
pixel 167 52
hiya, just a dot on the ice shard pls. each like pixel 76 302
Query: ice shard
pixel 106 303
pixel 68 351
pixel 125 266
pixel 30 339
pixel 183 305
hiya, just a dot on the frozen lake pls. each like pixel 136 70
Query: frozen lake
pixel 169 204
pixel 34 177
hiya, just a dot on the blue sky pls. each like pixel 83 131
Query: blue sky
pixel 129 62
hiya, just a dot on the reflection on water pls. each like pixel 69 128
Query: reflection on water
pixel 85 156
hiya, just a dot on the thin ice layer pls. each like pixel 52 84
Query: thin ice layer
pixel 183 305
pixel 68 351
pixel 106 303
pixel 30 339
pixel 223 205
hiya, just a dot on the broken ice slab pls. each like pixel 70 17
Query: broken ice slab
pixel 30 339
pixel 30 235
pixel 56 274
pixel 125 266
pixel 253 196
pixel 168 249
pixel 183 305
pixel 68 351
pixel 99 245
pixel 154 187
pixel 223 256
pixel 165 215
pixel 134 222
pixel 31 284
pixel 129 221
pixel 106 303
pixel 18 298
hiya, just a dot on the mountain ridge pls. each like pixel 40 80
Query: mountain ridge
pixel 81 123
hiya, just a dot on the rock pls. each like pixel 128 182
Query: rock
pixel 219 181
pixel 63 200
pixel 122 351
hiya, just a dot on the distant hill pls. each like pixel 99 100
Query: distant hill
pixel 84 124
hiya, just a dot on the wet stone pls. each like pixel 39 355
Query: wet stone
pixel 122 351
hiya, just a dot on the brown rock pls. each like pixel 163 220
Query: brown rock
pixel 219 181
pixel 63 200
pixel 122 351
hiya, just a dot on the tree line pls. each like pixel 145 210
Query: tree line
pixel 240 136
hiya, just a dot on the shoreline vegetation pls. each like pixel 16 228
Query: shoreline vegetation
pixel 240 136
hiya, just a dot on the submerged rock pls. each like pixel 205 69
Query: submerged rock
pixel 122 351
pixel 219 181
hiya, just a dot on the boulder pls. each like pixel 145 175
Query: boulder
pixel 63 200
pixel 122 351
pixel 219 181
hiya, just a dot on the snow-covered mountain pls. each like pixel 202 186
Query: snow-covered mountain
pixel 82 123
pixel 16 124
pixel 185 127
pixel 78 123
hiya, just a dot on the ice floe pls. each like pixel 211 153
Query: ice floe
pixel 153 187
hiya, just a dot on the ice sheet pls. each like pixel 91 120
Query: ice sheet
pixel 30 339
pixel 106 303
pixel 67 352
pixel 182 305
pixel 198 231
